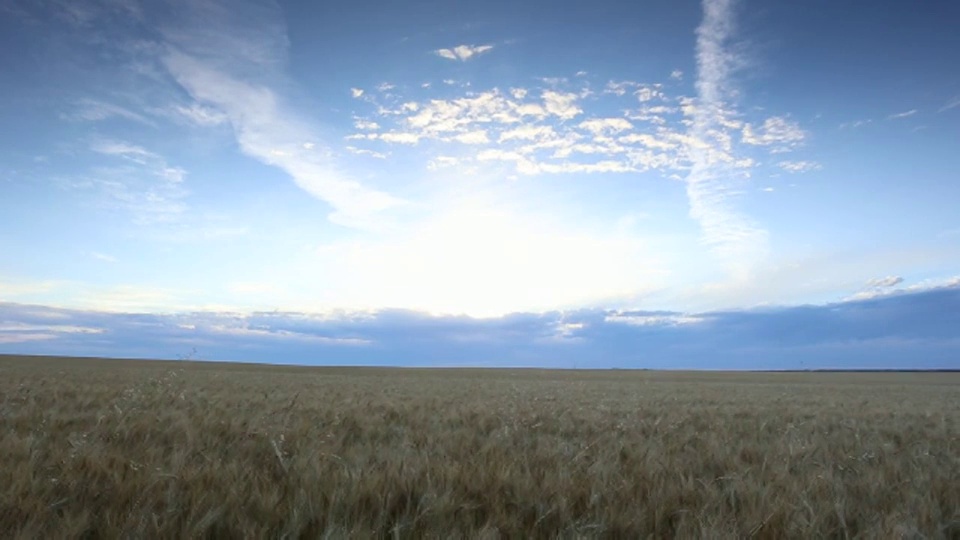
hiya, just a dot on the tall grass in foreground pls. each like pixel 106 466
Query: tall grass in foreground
pixel 137 449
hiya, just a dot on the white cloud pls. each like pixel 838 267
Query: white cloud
pixel 952 104
pixel 647 93
pixel 441 162
pixel 200 115
pixel 16 332
pixel 472 137
pixel 645 319
pixel 366 125
pixel 401 138
pixel 93 110
pixel 366 152
pixel 530 129
pixel 462 52
pixel 649 141
pixel 855 124
pixel 599 126
pixel 262 128
pixel 799 166
pixel 711 182
pixel 562 105
pixel 676 75
pixel 776 131
pixel 888 286
pixel 144 184
pixel 619 88
pixel 905 114
pixel 356 92
pixel 527 133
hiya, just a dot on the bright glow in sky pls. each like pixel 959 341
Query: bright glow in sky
pixel 478 159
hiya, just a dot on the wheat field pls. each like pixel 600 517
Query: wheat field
pixel 97 448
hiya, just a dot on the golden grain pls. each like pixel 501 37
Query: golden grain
pixel 101 448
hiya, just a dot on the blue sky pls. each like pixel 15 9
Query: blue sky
pixel 604 183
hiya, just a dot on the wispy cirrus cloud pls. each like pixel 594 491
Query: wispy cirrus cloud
pixel 712 181
pixel 462 52
pixel 952 104
pixel 136 180
pixel 198 114
pixel 799 166
pixel 222 64
pixel 901 115
pixel 93 110
pixel 856 123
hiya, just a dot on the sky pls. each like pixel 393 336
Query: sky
pixel 725 184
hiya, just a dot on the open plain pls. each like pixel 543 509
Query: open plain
pixel 119 448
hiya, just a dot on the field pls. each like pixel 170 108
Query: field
pixel 110 448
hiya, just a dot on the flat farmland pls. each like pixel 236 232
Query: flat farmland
pixel 120 448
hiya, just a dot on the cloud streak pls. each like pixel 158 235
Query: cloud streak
pixel 952 104
pixel 711 182
pixel 905 114
pixel 216 63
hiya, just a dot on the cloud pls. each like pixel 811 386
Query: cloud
pixel 912 330
pixel 203 60
pixel 651 318
pixel 532 130
pixel 365 152
pixel 855 124
pixel 888 281
pixel 402 138
pixel 619 88
pixel 952 104
pixel 145 184
pixel 94 111
pixel 777 131
pixel 711 182
pixel 600 126
pixel 562 105
pixel 881 287
pixel 676 75
pixel 799 166
pixel 904 114
pixel 199 115
pixel 366 125
pixel 473 137
pixel 356 92
pixel 462 52
pixel 527 133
